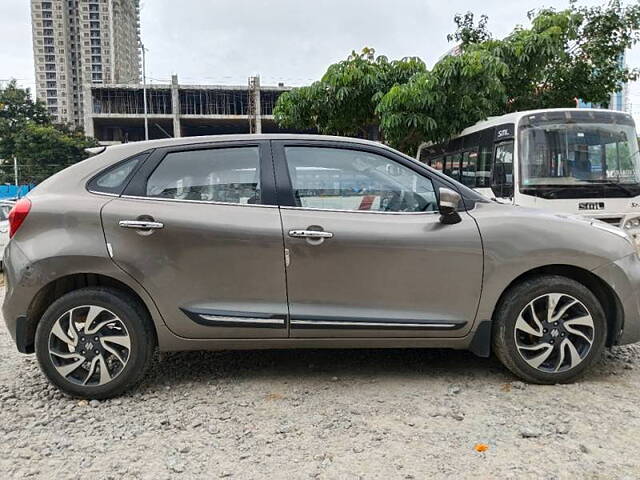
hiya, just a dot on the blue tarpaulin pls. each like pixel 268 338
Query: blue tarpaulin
pixel 11 191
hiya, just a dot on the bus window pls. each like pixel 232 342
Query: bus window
pixel 452 166
pixel 483 174
pixel 502 178
pixel 437 163
pixel 468 168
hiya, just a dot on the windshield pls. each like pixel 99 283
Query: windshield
pixel 579 155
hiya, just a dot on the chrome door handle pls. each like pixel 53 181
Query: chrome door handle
pixel 313 234
pixel 141 224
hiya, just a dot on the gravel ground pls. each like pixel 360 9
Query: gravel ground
pixel 324 414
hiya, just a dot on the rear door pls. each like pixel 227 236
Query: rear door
pixel 367 254
pixel 199 228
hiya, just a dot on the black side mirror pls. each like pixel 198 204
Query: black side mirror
pixel 448 206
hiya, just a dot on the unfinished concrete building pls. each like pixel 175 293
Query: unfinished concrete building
pixel 115 113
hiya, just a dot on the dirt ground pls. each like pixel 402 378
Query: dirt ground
pixel 407 414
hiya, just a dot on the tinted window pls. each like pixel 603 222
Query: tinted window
pixel 229 175
pixel 116 178
pixel 502 184
pixel 452 165
pixel 468 168
pixel 483 173
pixel 355 180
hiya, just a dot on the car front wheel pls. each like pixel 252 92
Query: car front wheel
pixel 94 342
pixel 549 329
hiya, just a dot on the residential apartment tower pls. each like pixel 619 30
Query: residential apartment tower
pixel 82 42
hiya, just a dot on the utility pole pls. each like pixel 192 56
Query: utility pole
pixel 144 92
pixel 253 105
pixel 15 172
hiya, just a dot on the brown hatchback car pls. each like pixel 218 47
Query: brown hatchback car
pixel 289 241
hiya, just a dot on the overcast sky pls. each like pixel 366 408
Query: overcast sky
pixel 290 41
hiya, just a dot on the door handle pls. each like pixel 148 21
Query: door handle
pixel 313 234
pixel 141 224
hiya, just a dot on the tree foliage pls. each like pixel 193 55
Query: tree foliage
pixel 344 101
pixel 560 57
pixel 26 132
pixel 17 110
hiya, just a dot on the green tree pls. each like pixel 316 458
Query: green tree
pixel 459 91
pixel 344 101
pixel 43 150
pixel 17 109
pixel 26 132
pixel 562 56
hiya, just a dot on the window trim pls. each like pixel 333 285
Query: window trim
pixel 286 197
pixel 136 188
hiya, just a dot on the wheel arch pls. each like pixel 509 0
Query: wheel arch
pixel 604 293
pixel 55 289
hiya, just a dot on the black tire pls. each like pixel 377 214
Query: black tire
pixel 516 299
pixel 139 328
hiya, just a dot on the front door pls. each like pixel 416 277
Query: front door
pixel 367 254
pixel 199 229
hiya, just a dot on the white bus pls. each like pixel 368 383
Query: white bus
pixel 576 161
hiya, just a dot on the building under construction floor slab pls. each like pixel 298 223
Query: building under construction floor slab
pixel 116 113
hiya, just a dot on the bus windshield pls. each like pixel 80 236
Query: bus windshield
pixel 574 155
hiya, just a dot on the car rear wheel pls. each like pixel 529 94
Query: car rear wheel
pixel 95 343
pixel 549 329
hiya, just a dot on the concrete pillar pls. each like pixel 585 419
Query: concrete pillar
pixel 256 100
pixel 87 107
pixel 175 106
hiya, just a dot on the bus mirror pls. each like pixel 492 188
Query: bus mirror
pixel 448 206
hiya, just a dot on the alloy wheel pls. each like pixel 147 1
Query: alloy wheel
pixel 89 345
pixel 554 333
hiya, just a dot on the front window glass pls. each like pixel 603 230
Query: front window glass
pixel 229 175
pixel 580 156
pixel 340 179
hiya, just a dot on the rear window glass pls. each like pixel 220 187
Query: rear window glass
pixel 114 179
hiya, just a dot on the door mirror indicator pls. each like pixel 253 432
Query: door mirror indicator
pixel 448 205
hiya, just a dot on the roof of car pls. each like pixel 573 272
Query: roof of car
pixel 133 147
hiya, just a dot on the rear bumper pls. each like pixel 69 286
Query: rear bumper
pixel 16 301
pixel 623 276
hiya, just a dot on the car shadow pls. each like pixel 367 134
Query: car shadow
pixel 324 364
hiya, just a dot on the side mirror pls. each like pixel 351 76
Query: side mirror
pixel 448 206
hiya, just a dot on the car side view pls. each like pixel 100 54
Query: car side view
pixel 300 241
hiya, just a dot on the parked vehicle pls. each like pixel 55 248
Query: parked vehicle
pixel 5 207
pixel 579 161
pixel 300 241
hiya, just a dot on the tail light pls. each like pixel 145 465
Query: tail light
pixel 17 215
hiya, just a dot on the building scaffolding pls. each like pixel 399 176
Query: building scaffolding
pixel 213 102
pixel 131 102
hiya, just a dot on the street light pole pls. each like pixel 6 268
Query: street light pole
pixel 144 92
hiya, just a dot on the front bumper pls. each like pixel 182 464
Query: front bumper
pixel 623 276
